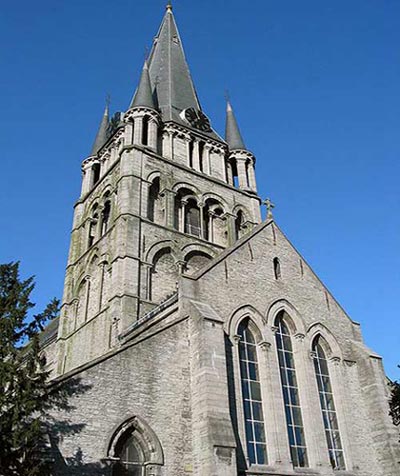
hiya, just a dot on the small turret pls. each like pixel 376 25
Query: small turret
pixel 143 96
pixel 101 136
pixel 241 160
pixel 142 117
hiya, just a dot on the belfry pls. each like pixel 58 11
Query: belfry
pixel 205 343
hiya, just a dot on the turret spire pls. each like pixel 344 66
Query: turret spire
pixel 232 133
pixel 144 95
pixel 101 136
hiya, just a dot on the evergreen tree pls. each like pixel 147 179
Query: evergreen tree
pixel 25 398
pixel 395 402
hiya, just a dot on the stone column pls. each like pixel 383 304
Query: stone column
pixel 168 144
pixel 241 170
pixel 86 178
pixel 196 155
pixel 138 130
pixel 169 207
pixel 153 134
pixel 229 178
pixel 201 217
pixel 206 159
pixel 252 176
pixel 129 133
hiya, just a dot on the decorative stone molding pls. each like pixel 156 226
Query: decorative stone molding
pixel 349 363
pixel 264 345
pixel 299 337
pixel 236 339
pixel 335 360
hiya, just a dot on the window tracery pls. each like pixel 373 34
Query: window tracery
pixel 251 396
pixel 329 416
pixel 290 391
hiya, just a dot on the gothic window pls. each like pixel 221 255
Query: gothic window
pixel 251 395
pixel 154 195
pixel 105 217
pixel 145 130
pixel 294 421
pixel 95 173
pixel 131 457
pixel 328 409
pixel 277 268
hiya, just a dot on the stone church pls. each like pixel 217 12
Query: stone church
pixel 205 344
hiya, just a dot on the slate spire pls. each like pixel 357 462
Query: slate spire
pixel 169 72
pixel 101 136
pixel 233 136
pixel 144 95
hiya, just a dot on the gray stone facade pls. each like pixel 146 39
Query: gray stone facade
pixel 168 261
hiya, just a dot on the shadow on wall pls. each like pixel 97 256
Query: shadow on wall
pixel 57 428
pixel 76 465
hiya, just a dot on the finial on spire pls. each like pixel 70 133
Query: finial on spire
pixel 108 102
pixel 270 206
pixel 169 6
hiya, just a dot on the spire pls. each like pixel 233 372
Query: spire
pixel 169 72
pixel 232 133
pixel 144 95
pixel 101 136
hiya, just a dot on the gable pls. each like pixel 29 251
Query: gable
pixel 245 275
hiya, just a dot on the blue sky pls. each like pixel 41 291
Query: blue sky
pixel 315 86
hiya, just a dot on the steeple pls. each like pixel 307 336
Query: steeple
pixel 169 72
pixel 144 96
pixel 232 133
pixel 101 136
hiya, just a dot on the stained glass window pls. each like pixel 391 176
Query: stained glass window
pixel 329 415
pixel 294 422
pixel 251 393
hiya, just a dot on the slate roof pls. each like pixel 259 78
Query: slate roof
pixel 232 132
pixel 170 76
pixel 101 136
pixel 144 94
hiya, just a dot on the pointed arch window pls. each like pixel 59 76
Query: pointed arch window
pixel 329 416
pixel 131 458
pixel 294 420
pixel 251 395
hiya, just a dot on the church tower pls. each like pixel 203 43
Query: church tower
pixel 162 193
pixel 203 343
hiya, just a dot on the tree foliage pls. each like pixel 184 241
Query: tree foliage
pixel 395 402
pixel 25 398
